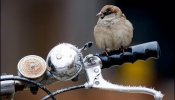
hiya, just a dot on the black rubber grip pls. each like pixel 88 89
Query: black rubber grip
pixel 131 54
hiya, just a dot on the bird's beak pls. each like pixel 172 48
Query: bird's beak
pixel 100 14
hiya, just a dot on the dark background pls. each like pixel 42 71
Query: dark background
pixel 35 26
pixel 153 20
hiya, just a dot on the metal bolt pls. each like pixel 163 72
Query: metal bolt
pixel 96 70
pixel 97 82
pixel 58 57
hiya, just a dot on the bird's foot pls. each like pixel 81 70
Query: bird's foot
pixel 105 52
pixel 122 49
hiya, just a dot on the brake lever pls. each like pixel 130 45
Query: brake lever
pixel 93 67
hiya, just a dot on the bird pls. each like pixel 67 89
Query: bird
pixel 113 30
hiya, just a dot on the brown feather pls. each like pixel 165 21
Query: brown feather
pixel 114 30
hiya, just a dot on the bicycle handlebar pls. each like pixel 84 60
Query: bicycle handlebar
pixel 64 68
pixel 131 54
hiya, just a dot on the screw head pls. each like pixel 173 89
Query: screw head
pixel 58 56
pixel 97 82
pixel 96 70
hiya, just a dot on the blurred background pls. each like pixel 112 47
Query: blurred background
pixel 35 26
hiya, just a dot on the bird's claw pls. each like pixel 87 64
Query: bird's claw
pixel 122 49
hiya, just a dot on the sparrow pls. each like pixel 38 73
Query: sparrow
pixel 112 31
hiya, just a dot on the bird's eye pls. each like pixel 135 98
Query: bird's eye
pixel 107 12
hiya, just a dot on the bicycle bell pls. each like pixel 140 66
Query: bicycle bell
pixel 64 61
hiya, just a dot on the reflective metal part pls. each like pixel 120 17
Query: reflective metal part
pixel 7 87
pixel 95 80
pixel 92 63
pixel 65 61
